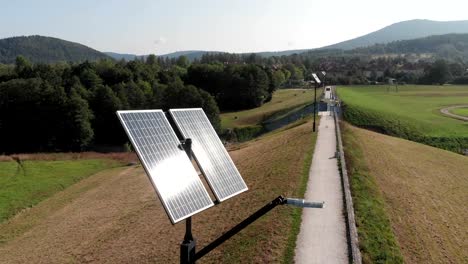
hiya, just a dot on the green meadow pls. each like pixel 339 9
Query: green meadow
pixel 409 111
pixel 25 184
pixel 460 111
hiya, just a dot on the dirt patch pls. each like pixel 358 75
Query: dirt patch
pixel 114 216
pixel 424 189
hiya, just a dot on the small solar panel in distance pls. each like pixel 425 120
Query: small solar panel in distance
pixel 210 154
pixel 316 78
pixel 173 176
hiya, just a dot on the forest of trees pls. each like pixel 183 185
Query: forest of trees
pixel 71 106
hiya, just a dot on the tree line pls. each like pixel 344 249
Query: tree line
pixel 71 107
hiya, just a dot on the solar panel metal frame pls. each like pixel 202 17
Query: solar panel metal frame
pixel 195 141
pixel 316 78
pixel 150 175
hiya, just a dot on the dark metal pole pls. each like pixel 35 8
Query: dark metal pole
pixel 187 247
pixel 315 104
pixel 278 201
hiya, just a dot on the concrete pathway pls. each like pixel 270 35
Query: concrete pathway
pixel 322 238
pixel 446 111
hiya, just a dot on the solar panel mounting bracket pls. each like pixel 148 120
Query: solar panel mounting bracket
pixel 280 200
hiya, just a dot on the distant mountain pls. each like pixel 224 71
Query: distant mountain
pixel 405 30
pixel 49 50
pixel 45 50
pixel 280 53
pixel 449 46
pixel 190 54
pixel 452 47
pixel 119 56
pixel 197 54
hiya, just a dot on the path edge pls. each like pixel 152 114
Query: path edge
pixel 352 235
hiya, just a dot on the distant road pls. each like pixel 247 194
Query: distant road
pixel 446 111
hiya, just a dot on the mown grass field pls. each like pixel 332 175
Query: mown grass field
pixel 460 111
pixel 412 113
pixel 114 215
pixel 410 199
pixel 25 184
pixel 415 104
pixel 283 100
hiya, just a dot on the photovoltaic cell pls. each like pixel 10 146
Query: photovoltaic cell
pixel 317 80
pixel 175 180
pixel 210 154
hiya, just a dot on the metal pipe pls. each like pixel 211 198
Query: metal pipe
pixel 280 200
pixel 304 204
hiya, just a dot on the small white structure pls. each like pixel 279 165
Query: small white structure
pixel 328 93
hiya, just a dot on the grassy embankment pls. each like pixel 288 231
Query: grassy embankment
pixel 117 219
pixel 24 184
pixel 248 123
pixel 411 113
pixel 376 239
pixel 460 111
pixel 410 199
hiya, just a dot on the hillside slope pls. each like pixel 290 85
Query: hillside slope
pixel 424 194
pixel 114 216
pixel 46 50
pixel 404 30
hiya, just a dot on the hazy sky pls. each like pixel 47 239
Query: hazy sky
pixel 159 27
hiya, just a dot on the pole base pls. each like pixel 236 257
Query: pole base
pixel 187 252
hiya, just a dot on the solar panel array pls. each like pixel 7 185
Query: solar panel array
pixel 176 182
pixel 210 154
pixel 317 80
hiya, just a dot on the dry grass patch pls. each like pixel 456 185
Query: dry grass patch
pixel 114 217
pixel 425 194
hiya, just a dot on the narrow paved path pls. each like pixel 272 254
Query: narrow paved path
pixel 446 111
pixel 322 238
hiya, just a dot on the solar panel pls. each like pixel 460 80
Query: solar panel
pixel 168 167
pixel 210 154
pixel 317 80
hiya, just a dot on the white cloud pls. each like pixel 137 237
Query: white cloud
pixel 160 41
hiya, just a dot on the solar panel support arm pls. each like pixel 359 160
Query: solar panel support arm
pixel 187 247
pixel 280 200
pixel 262 211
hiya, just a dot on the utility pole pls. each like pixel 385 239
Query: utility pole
pixel 315 104
pixel 317 83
